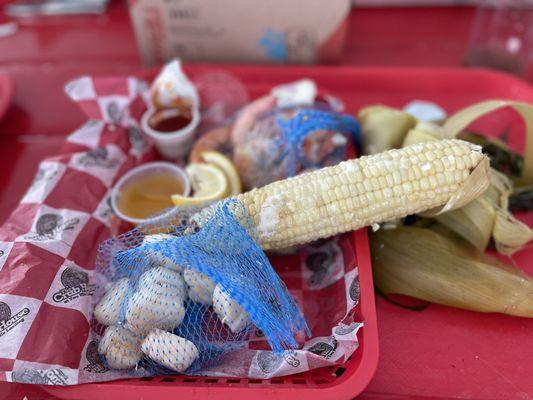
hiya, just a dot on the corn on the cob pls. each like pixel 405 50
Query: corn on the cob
pixel 365 191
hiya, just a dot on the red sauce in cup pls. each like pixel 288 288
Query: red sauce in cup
pixel 167 121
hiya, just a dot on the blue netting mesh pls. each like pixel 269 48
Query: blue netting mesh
pixel 283 142
pixel 297 129
pixel 190 295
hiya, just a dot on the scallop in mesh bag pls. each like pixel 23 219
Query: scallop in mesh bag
pixel 177 297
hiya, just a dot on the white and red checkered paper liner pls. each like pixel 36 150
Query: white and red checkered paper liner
pixel 48 248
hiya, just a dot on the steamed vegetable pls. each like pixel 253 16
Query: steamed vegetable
pixel 486 218
pixel 383 128
pixel 443 269
pixel 367 191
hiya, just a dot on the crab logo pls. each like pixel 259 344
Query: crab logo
pixel 355 290
pixel 291 358
pixel 268 362
pixel 76 284
pixel 50 226
pixel 32 376
pixel 41 178
pixel 98 157
pixel 9 321
pixel 40 377
pixel 5 311
pixel 343 329
pixel 137 139
pixel 319 264
pixel 113 112
pixel 323 349
pixel 95 364
pixel 106 210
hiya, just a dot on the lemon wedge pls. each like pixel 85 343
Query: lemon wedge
pixel 209 183
pixel 224 163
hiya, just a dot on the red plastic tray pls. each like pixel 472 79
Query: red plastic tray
pixel 6 93
pixel 436 353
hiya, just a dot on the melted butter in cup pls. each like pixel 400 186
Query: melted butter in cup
pixel 145 191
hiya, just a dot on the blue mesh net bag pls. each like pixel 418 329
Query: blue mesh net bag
pixel 175 297
pixel 284 142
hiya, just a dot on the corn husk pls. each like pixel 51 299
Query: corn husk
pixel 443 269
pixel 423 132
pixel 487 216
pixel 502 158
pixel 383 128
pixel 462 119
pixel 508 233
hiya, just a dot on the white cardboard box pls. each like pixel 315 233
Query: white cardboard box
pixel 267 31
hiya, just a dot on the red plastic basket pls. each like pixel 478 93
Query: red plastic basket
pixel 342 382
pixel 440 352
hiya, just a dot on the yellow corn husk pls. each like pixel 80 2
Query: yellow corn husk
pixel 423 132
pixel 510 235
pixel 441 174
pixel 383 128
pixel 487 216
pixel 462 119
pixel 427 265
pixel 475 221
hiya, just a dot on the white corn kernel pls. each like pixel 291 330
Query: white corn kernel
pixel 416 174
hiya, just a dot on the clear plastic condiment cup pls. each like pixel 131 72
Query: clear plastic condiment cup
pixel 148 169
pixel 174 144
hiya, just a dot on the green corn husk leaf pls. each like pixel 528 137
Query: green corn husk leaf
pixel 458 122
pixel 486 217
pixel 423 132
pixel 443 269
pixel 383 128
pixel 474 222
pixel 502 158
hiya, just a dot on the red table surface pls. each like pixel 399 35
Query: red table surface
pixel 44 54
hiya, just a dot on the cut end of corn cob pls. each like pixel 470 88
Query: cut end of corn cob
pixel 366 191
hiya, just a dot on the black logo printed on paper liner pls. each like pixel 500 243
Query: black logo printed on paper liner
pixel 95 364
pixel 9 321
pixel 50 226
pixel 76 284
